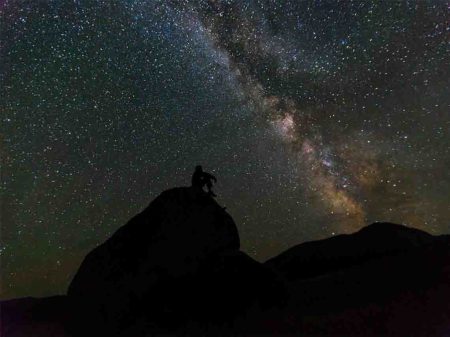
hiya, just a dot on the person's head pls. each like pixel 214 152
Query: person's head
pixel 198 168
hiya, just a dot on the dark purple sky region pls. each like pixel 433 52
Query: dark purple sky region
pixel 317 117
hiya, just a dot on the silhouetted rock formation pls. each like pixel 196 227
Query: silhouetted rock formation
pixel 176 263
pixel 176 269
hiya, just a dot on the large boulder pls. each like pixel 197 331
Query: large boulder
pixel 176 263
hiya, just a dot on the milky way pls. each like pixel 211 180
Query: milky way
pixel 317 117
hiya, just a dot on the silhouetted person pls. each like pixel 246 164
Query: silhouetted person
pixel 201 178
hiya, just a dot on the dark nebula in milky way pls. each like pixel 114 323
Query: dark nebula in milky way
pixel 317 117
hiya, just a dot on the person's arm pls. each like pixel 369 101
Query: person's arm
pixel 212 177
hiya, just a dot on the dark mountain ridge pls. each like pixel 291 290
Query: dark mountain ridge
pixel 374 241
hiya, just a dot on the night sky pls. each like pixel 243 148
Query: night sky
pixel 317 117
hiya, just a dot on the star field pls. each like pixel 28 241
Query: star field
pixel 317 117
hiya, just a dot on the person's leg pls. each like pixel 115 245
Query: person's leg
pixel 209 186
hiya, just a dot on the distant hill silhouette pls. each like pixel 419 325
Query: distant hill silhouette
pixel 385 280
pixel 176 269
pixel 323 256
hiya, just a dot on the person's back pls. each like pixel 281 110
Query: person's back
pixel 197 177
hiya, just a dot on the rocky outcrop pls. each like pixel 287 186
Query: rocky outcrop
pixel 177 262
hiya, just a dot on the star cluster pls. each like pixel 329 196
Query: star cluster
pixel 317 117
